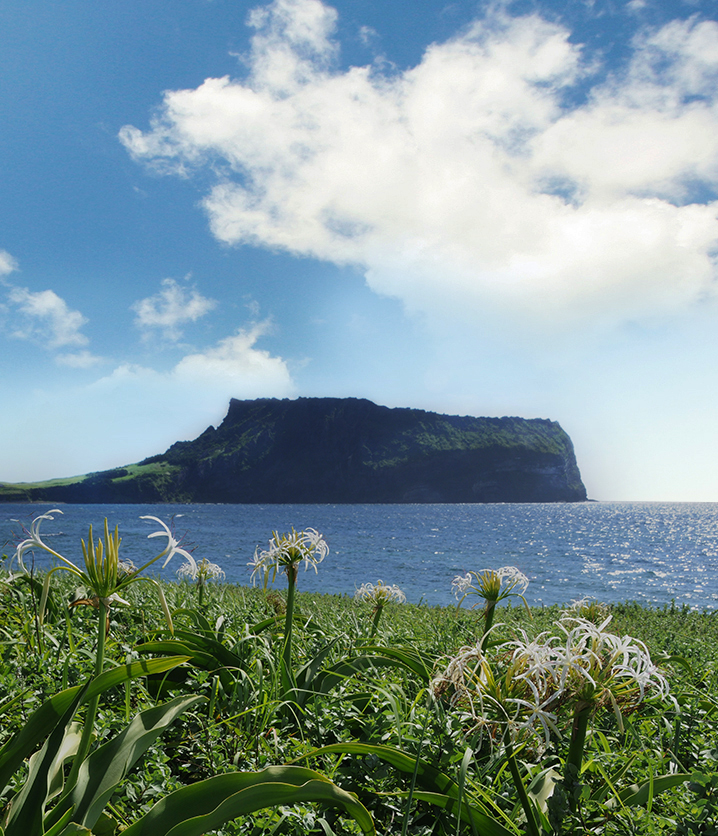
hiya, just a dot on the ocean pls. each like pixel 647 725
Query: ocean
pixel 655 553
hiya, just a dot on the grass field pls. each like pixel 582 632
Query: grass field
pixel 360 707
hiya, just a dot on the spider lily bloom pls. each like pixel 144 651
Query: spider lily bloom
pixel 491 585
pixel 104 576
pixel 201 573
pixel 500 695
pixel 600 669
pixel 171 549
pixel 460 585
pixel 34 541
pixel 286 552
pixel 379 595
pixel 604 669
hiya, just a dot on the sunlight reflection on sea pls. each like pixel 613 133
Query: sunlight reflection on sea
pixel 648 552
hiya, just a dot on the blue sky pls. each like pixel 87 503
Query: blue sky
pixel 486 209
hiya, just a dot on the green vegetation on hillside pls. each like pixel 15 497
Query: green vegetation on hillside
pixel 340 450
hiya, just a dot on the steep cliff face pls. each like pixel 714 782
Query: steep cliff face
pixel 337 450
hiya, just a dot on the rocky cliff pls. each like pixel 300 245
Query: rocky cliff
pixel 338 450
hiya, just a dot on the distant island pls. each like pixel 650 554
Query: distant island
pixel 338 450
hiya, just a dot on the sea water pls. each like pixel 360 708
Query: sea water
pixel 651 552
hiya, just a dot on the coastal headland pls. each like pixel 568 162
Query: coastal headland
pixel 338 450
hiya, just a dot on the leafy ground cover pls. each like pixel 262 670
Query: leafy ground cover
pixel 217 708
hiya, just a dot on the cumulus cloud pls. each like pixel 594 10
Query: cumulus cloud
pixel 172 307
pixel 466 186
pixel 7 263
pixel 45 317
pixel 136 411
pixel 234 367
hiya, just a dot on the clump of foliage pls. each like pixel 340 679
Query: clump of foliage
pixel 253 714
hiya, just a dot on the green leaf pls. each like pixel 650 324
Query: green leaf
pixel 42 721
pixel 107 766
pixel 307 673
pixel 635 796
pixel 324 682
pixel 261 626
pixel 421 665
pixel 28 806
pixel 487 826
pixel 207 805
pixel 203 652
pixel 428 776
pixel 68 748
pixel 59 827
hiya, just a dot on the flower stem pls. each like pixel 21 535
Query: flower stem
pixel 375 622
pixel 531 825
pixel 489 612
pixel 287 676
pixel 574 761
pixel 89 724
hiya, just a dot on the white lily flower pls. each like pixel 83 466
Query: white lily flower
pixel 287 551
pixel 115 599
pixel 460 584
pixel 34 541
pixel 379 593
pixel 173 545
pixel 202 571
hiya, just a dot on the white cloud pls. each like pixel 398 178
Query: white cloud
pixel 235 365
pixel 171 308
pixel 233 368
pixel 135 411
pixel 465 186
pixel 46 318
pixel 7 263
pixel 77 359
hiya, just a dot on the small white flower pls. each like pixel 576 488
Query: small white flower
pixel 202 571
pixel 114 599
pixel 287 551
pixel 513 580
pixel 493 585
pixel 379 593
pixel 173 545
pixel 34 541
pixel 460 584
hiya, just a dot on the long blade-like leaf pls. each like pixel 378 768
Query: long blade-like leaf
pixel 42 721
pixel 28 805
pixel 635 796
pixel 487 826
pixel 325 681
pixel 428 776
pixel 106 767
pixel 420 664
pixel 207 805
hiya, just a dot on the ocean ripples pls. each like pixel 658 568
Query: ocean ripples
pixel 647 552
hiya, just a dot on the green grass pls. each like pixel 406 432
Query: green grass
pixel 243 726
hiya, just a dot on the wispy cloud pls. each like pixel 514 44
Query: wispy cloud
pixel 466 186
pixel 7 263
pixel 78 359
pixel 136 411
pixel 171 308
pixel 45 317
